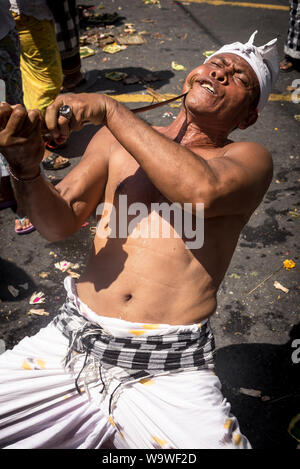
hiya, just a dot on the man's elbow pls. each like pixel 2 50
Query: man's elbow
pixel 54 236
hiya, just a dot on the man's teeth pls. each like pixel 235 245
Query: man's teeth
pixel 208 87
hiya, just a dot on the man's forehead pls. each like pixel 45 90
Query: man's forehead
pixel 229 57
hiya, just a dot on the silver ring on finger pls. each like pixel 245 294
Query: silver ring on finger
pixel 65 111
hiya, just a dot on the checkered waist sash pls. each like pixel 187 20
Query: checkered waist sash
pixel 136 357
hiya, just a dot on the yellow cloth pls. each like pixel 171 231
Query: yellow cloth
pixel 40 61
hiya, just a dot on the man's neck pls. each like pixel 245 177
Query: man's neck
pixel 193 134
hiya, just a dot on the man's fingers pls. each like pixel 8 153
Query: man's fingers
pixel 53 121
pixel 32 123
pixel 16 120
pixel 5 112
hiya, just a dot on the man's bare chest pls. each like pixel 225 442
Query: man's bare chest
pixel 128 180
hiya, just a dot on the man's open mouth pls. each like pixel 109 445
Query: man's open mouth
pixel 208 87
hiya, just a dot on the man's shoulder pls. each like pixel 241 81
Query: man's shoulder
pixel 252 154
pixel 247 148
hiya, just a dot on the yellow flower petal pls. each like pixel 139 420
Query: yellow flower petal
pixel 137 332
pixel 289 264
pixel 111 421
pixel 151 326
pixel 159 441
pixel 146 381
pixel 228 424
pixel 40 363
pixel 237 438
pixel 26 365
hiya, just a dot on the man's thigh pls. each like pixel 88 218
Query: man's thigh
pixel 39 405
pixel 183 410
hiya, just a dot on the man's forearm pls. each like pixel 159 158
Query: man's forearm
pixel 47 210
pixel 174 170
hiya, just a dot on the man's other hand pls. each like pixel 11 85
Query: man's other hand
pixel 86 107
pixel 20 139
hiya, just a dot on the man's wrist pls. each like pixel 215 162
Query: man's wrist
pixel 110 107
pixel 24 178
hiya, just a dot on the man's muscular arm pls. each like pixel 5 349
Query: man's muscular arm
pixel 230 185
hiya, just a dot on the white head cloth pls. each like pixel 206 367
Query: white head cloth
pixel 264 61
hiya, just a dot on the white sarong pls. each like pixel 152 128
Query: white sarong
pixel 40 407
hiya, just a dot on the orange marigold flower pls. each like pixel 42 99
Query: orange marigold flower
pixel 289 264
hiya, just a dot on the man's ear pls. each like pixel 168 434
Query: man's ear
pixel 249 120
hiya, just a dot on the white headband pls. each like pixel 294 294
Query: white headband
pixel 264 61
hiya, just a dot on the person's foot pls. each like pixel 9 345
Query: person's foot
pixel 23 225
pixel 54 161
pixel 286 65
pixel 72 81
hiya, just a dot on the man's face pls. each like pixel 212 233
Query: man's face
pixel 225 88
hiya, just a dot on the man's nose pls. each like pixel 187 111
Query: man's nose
pixel 221 74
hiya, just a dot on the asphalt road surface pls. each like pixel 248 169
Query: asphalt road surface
pixel 257 326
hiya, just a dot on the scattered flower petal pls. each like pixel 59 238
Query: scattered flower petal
pixel 280 287
pixel 63 265
pixel 37 297
pixel 289 264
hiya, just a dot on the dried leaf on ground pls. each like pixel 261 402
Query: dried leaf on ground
pixel 131 80
pixel 280 287
pixel 156 95
pixel 176 66
pixel 39 312
pixel 13 291
pixel 250 392
pixel 150 77
pixel 294 213
pixel 73 274
pixel 86 52
pixel 130 39
pixel 113 48
pixel 116 76
pixel 208 53
pixel 44 274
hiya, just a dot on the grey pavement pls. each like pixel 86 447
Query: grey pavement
pixel 256 333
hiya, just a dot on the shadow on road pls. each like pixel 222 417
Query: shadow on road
pixel 14 282
pixel 270 369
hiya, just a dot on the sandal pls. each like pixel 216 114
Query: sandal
pixel 27 230
pixel 286 65
pixel 55 162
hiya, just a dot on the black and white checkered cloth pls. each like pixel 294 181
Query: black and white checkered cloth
pixel 66 21
pixel 136 357
pixel 292 46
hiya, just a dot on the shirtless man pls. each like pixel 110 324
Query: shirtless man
pixel 141 291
